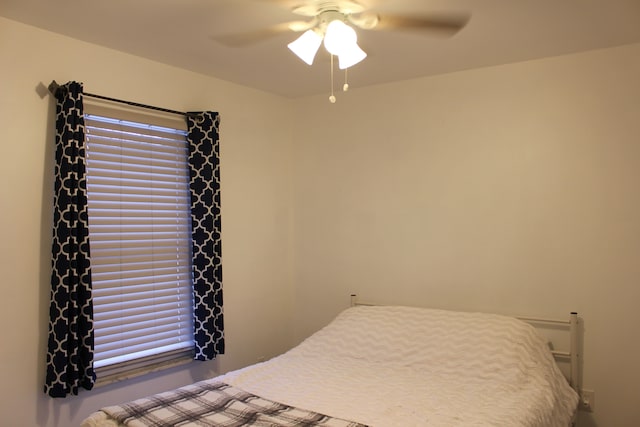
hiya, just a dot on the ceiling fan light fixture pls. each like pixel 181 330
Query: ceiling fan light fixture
pixel 339 37
pixel 350 56
pixel 306 46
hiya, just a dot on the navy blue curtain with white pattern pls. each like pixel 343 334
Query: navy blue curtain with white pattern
pixel 204 165
pixel 70 346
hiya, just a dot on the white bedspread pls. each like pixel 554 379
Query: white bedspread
pixel 401 366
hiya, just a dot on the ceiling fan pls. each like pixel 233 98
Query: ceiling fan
pixel 319 13
pixel 333 23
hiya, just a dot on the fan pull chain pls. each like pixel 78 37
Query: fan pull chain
pixel 345 87
pixel 332 98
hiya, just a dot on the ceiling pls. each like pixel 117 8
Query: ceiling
pixel 183 33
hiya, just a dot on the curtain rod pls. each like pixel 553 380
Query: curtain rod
pixel 54 87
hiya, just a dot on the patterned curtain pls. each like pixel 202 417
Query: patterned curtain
pixel 70 348
pixel 204 168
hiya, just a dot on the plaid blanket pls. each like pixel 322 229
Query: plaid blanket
pixel 215 404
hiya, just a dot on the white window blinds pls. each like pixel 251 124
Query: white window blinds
pixel 140 237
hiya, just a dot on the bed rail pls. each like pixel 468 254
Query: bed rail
pixel 572 354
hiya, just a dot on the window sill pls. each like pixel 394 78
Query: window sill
pixel 111 374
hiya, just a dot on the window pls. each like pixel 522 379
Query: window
pixel 140 237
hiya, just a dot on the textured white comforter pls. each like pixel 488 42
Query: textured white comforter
pixel 399 366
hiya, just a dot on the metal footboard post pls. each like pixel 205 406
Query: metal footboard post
pixel 573 379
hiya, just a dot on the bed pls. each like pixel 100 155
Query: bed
pixel 380 366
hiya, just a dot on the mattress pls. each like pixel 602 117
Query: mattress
pixel 403 366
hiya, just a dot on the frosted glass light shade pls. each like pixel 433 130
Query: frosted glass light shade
pixel 338 37
pixel 306 46
pixel 350 56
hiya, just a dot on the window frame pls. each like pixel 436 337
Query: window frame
pixel 132 368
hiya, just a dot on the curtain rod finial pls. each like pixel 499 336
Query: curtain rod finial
pixel 53 87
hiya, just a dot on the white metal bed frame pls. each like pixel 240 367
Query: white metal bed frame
pixel 572 355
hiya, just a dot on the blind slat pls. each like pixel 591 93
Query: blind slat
pixel 136 343
pixel 136 252
pixel 112 356
pixel 142 287
pixel 129 277
pixel 141 320
pixel 126 309
pixel 133 244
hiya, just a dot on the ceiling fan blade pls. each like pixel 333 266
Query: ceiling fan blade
pixel 445 24
pixel 252 37
pixel 283 3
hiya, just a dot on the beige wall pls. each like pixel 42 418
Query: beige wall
pixel 511 189
pixel 256 168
